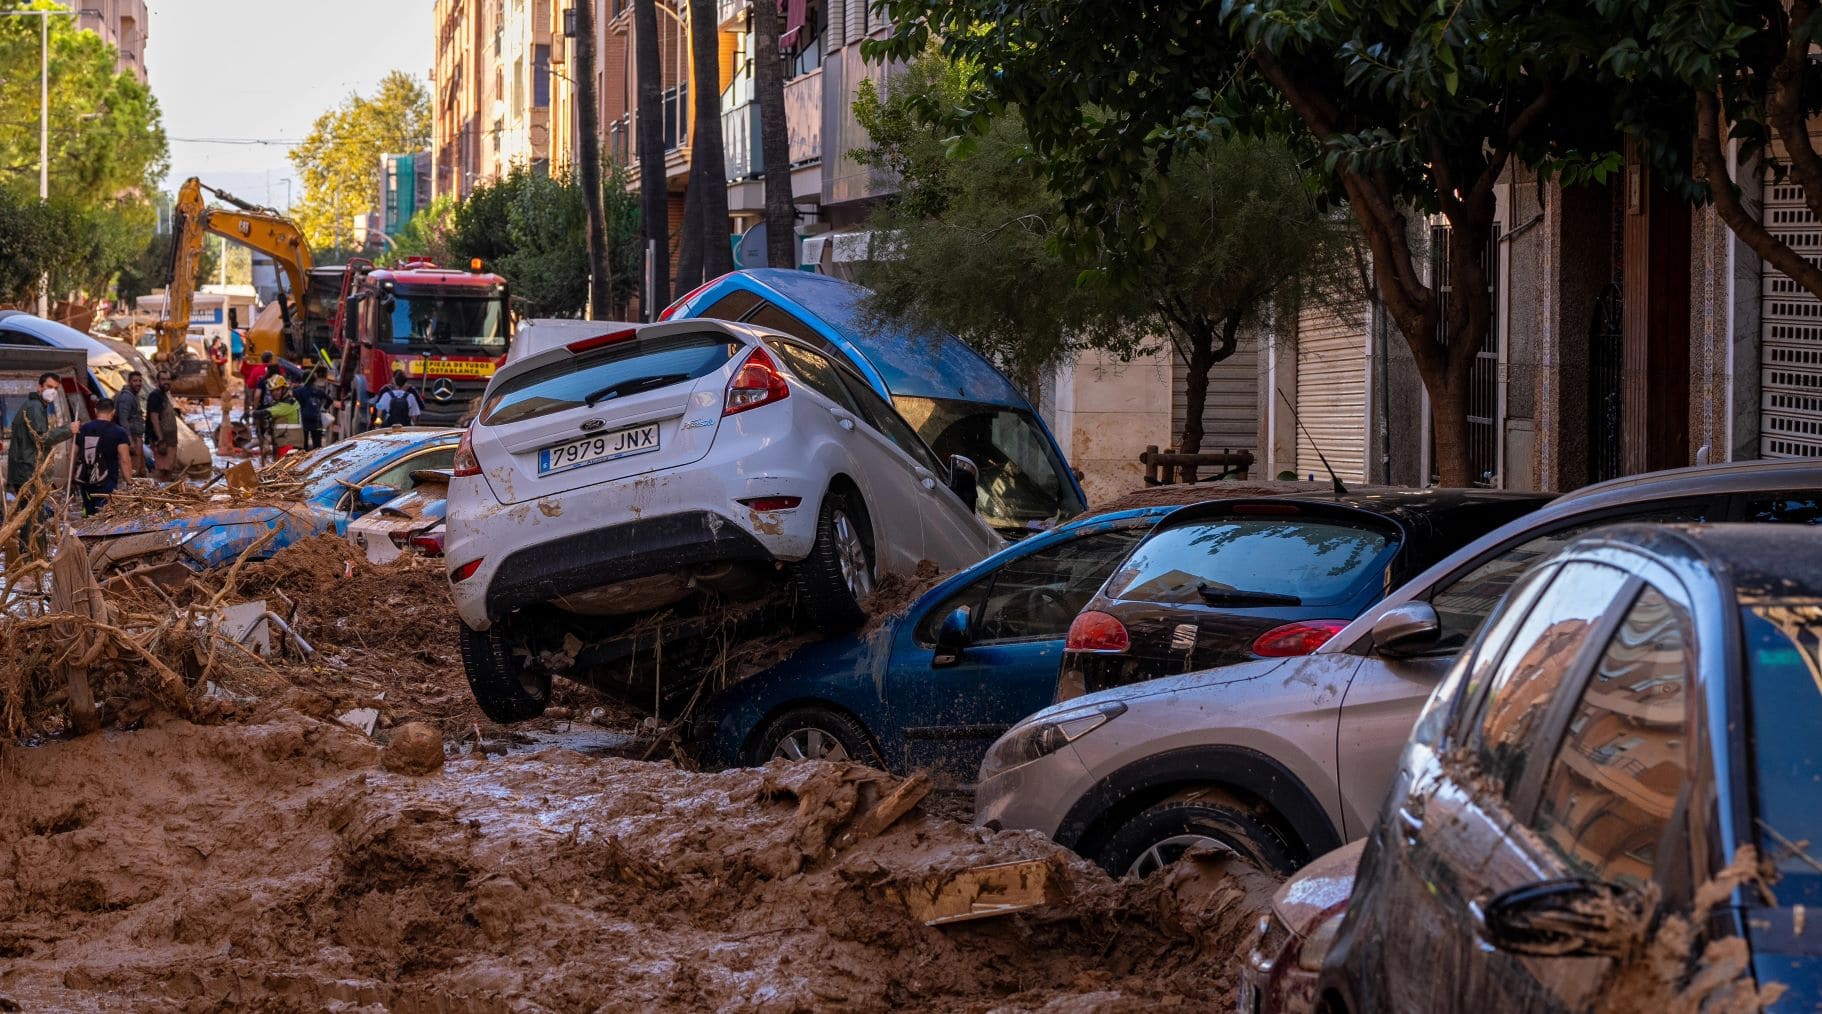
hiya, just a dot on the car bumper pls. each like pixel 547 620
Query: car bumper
pixel 1084 672
pixel 597 535
pixel 1034 796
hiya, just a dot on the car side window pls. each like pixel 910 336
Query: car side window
pixel 1785 509
pixel 886 419
pixel 1523 679
pixel 398 476
pixel 1463 603
pixel 1612 787
pixel 731 306
pixel 1039 595
pixel 815 369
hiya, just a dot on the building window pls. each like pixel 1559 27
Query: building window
pixel 540 76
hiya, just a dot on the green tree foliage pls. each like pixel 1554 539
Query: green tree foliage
pixel 532 229
pixel 339 160
pixel 974 243
pixel 1403 104
pixel 426 234
pixel 107 153
pixel 1752 77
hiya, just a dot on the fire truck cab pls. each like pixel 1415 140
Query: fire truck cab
pixel 446 330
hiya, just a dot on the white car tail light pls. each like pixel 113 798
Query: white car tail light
pixel 756 383
pixel 465 462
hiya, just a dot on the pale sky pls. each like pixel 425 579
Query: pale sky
pixel 263 70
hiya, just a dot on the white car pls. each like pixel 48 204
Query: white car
pixel 644 468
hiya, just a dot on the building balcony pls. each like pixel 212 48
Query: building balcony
pixel 730 15
pixel 740 139
pixel 740 130
pixel 619 140
pixel 803 116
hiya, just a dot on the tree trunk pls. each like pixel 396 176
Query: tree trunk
pixel 654 188
pixel 708 159
pixel 775 138
pixel 588 154
pixel 689 259
pixel 1201 341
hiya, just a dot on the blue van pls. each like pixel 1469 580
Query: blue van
pixel 955 399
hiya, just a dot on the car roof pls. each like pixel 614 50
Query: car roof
pixel 1760 560
pixel 59 335
pixel 948 369
pixel 1411 509
pixel 542 334
pixel 1695 480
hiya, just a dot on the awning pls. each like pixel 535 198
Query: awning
pixel 813 246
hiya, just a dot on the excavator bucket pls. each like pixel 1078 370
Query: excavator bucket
pixel 197 378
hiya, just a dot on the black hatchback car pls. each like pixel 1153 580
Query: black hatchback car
pixel 1640 710
pixel 1231 580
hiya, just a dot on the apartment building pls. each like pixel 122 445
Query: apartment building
pixel 123 24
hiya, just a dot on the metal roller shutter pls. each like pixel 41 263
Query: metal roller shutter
pixel 1331 395
pixel 1230 415
pixel 1790 393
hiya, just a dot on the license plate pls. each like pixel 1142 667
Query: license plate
pixel 599 447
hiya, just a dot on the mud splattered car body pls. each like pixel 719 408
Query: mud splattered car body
pixel 924 704
pixel 334 478
pixel 1637 715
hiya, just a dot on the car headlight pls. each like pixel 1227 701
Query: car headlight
pixel 1029 742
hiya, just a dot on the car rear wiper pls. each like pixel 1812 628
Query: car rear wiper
pixel 1237 597
pixel 633 386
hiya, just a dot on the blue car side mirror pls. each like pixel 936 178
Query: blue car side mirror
pixel 951 637
pixel 376 496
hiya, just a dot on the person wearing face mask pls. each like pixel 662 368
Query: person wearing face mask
pixel 32 434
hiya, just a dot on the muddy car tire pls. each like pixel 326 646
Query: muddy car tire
pixel 1162 832
pixel 841 570
pixel 812 734
pixel 505 686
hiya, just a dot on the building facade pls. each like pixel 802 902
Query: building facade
pixel 123 24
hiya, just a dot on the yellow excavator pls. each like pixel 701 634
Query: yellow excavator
pixel 264 230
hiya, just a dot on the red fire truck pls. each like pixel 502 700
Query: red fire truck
pixel 446 329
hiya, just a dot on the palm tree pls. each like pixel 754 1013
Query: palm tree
pixel 774 137
pixel 708 161
pixel 654 197
pixel 588 126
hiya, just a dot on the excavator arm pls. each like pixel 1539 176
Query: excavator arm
pixel 246 224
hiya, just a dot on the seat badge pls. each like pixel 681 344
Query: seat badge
pixel 1183 638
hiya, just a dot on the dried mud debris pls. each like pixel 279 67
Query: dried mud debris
pixel 279 867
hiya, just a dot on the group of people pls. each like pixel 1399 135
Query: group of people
pixel 109 447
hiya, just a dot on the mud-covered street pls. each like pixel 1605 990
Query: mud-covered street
pixel 265 857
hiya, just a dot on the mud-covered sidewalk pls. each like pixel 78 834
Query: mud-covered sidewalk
pixel 281 866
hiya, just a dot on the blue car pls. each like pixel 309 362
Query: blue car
pixel 341 482
pixel 955 399
pixel 935 685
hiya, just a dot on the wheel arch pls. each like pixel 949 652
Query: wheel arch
pixel 1248 775
pixel 783 708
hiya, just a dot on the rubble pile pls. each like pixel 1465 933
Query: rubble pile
pixel 281 866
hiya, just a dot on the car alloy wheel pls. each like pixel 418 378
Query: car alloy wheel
pixel 810 744
pixel 851 552
pixel 1170 850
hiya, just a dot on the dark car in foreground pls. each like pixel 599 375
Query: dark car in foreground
pixel 1224 582
pixel 1638 714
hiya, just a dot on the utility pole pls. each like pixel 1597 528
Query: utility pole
pixel 588 126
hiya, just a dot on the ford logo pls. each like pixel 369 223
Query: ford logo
pixel 593 425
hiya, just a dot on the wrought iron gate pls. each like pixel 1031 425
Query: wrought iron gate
pixel 1483 376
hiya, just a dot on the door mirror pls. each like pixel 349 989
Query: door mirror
pixel 1567 919
pixel 375 496
pixel 1406 630
pixel 951 637
pixel 964 479
pixel 351 320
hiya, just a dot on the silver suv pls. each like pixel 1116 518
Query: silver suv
pixel 1285 759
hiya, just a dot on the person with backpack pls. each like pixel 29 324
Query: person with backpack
pixel 103 456
pixel 398 404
